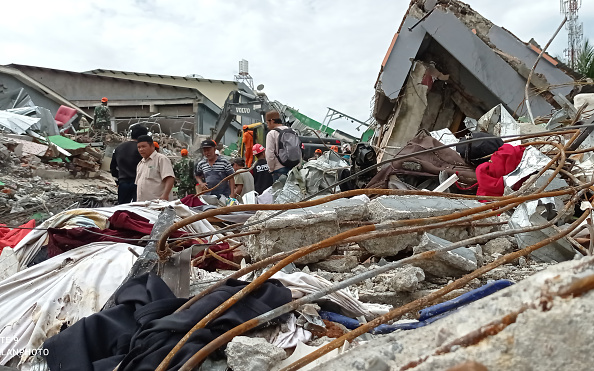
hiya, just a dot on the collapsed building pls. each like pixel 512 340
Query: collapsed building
pixel 407 273
pixel 447 63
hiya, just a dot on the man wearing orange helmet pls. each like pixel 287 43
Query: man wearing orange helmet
pixel 316 155
pixel 102 116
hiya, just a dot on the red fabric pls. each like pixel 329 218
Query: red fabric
pixel 122 225
pixel 211 264
pixel 248 144
pixel 192 201
pixel 64 114
pixel 490 174
pixel 11 237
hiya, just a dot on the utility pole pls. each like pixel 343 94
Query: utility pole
pixel 575 30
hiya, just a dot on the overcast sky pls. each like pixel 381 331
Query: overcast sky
pixel 309 54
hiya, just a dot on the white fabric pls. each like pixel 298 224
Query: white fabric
pixel 35 302
pixel 292 336
pixel 302 284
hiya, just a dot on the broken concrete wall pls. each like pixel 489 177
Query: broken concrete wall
pixel 456 40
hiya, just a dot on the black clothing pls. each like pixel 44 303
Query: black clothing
pixel 124 161
pixel 479 152
pixel 142 328
pixel 262 176
pixel 126 192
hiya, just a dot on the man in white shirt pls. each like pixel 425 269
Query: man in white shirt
pixel 154 173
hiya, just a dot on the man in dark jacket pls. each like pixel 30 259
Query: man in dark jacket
pixel 123 165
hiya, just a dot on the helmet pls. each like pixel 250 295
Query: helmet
pixel 184 152
pixel 258 148
pixel 319 151
pixel 104 99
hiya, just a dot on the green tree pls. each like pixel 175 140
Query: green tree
pixel 585 60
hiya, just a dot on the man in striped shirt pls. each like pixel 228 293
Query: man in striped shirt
pixel 212 169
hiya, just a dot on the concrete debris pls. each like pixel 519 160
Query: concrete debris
pixel 300 227
pixel 520 343
pixel 453 263
pixel 406 279
pixel 253 354
pixel 392 208
pixel 499 246
pixel 337 263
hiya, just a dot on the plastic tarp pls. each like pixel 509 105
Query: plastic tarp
pixel 312 178
pixel 36 302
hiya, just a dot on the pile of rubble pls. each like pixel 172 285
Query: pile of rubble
pixel 40 180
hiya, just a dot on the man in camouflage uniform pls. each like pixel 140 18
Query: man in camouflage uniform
pixel 184 175
pixel 102 116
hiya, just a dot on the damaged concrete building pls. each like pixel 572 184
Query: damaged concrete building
pixel 180 104
pixel 446 63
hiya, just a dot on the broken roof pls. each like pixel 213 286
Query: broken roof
pixel 487 62
pixel 29 81
pixel 104 72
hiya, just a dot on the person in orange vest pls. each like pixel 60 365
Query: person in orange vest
pixel 248 143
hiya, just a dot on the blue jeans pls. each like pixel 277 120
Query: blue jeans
pixel 278 172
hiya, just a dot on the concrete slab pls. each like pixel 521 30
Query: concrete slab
pixel 302 227
pixel 392 208
pixel 453 263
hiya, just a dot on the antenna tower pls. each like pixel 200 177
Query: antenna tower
pixel 575 30
pixel 244 74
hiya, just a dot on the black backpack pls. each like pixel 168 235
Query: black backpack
pixel 288 148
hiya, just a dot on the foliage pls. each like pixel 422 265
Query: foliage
pixel 585 60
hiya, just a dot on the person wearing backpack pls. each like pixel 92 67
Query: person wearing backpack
pixel 283 147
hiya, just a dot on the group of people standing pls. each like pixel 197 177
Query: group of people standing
pixel 144 174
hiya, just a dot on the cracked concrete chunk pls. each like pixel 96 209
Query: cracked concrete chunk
pixel 339 264
pixel 253 354
pixel 406 278
pixel 499 245
pixel 453 263
pixel 302 227
pixel 393 208
pixel 537 340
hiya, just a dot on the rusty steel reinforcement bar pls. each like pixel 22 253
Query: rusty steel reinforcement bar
pixel 427 300
pixel 162 248
pixel 333 240
pixel 392 232
pixel 162 251
pixel 526 97
pixel 346 194
pixel 568 130
pixel 280 256
pixel 492 328
pixel 238 330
